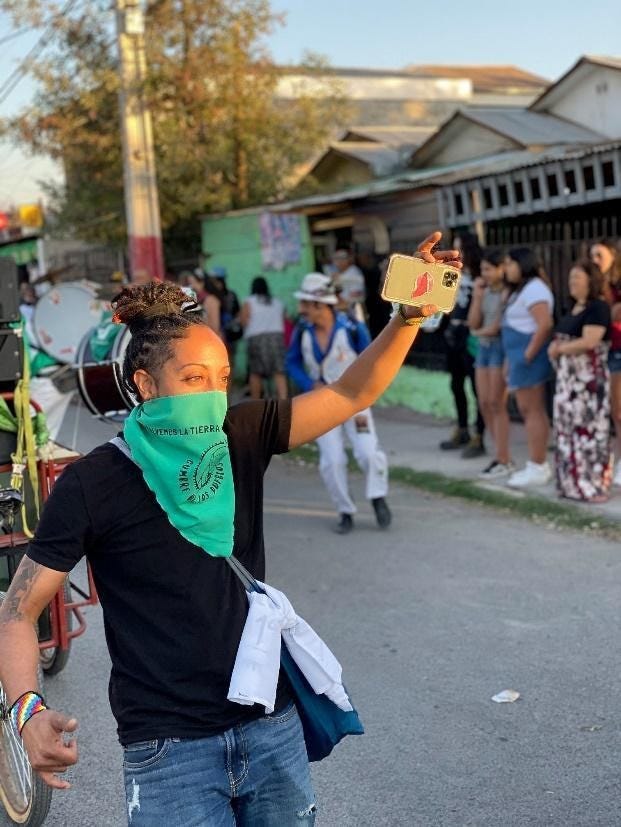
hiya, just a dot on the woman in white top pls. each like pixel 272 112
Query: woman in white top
pixel 263 320
pixel 526 327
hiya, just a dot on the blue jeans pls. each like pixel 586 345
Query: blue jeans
pixel 490 353
pixel 255 775
pixel 523 374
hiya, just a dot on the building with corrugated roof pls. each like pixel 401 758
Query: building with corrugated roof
pixel 547 175
pixel 365 153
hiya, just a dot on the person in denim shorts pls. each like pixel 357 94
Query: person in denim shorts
pixel 526 328
pixel 484 320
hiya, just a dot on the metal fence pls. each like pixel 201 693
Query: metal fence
pixel 558 244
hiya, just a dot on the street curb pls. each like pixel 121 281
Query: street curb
pixel 539 510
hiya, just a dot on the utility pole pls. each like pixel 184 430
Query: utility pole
pixel 141 200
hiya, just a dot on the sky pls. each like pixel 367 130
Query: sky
pixel 542 36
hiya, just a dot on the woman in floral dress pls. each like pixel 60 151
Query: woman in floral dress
pixel 579 352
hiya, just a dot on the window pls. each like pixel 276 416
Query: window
pixel 487 198
pixel 608 174
pixel 503 195
pixel 459 204
pixel 552 184
pixel 570 181
pixel 534 187
pixel 518 189
pixel 588 174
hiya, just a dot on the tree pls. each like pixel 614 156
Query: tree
pixel 222 140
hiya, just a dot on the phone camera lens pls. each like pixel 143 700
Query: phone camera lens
pixel 449 278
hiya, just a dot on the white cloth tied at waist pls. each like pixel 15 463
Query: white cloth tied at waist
pixel 272 619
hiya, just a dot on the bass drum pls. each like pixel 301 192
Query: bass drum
pixel 100 383
pixel 62 317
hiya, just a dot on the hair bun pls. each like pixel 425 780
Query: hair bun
pixel 141 305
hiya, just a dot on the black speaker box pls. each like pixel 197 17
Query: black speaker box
pixel 9 291
pixel 10 357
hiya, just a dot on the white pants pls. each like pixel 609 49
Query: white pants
pixel 360 431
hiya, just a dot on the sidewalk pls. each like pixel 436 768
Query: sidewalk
pixel 411 440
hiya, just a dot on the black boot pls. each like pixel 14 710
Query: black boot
pixel 474 448
pixel 382 512
pixel 459 438
pixel 344 525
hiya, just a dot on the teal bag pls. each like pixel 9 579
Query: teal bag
pixel 323 723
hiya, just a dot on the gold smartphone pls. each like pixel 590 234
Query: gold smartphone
pixel 410 280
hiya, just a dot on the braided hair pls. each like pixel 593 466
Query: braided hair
pixel 156 314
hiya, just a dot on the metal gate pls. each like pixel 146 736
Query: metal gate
pixel 559 241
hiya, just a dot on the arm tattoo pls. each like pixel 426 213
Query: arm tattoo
pixel 24 579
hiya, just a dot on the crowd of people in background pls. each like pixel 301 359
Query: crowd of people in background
pixel 557 369
pixel 523 344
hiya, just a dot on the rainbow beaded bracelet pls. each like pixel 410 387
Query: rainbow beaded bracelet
pixel 24 708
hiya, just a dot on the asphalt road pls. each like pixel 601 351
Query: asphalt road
pixel 430 620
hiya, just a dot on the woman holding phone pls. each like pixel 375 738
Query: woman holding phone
pixel 154 527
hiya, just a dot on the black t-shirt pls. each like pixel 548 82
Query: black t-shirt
pixel 597 312
pixel 173 615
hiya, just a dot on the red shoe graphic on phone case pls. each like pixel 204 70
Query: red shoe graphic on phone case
pixel 424 283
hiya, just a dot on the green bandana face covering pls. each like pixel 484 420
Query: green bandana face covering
pixel 179 444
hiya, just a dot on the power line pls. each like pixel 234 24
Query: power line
pixel 15 34
pixel 14 78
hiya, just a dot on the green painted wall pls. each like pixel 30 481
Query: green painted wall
pixel 234 242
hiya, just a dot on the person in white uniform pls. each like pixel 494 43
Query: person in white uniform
pixel 324 344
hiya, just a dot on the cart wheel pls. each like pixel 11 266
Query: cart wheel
pixel 54 659
pixel 25 796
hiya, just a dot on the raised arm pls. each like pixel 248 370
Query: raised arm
pixel 32 588
pixel 320 410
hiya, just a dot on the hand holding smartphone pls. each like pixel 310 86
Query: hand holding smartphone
pixel 430 278
pixel 413 281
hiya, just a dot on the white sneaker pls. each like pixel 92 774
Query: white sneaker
pixel 533 474
pixel 616 480
pixel 497 470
